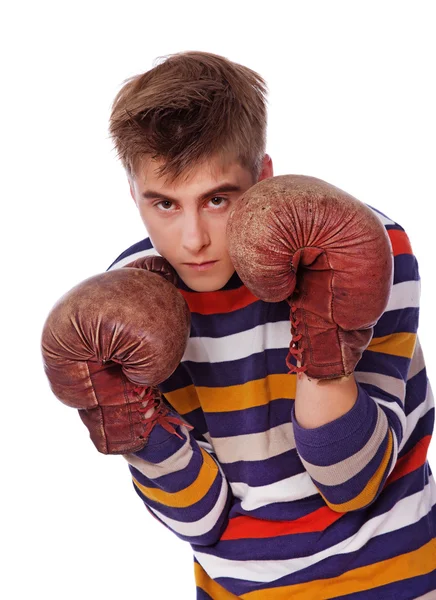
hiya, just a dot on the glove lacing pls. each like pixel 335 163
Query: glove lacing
pixel 294 348
pixel 151 399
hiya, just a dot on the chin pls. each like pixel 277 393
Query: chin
pixel 205 284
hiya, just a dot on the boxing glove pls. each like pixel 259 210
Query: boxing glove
pixel 300 239
pixel 108 343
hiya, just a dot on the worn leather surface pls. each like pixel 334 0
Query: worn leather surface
pixel 110 334
pixel 298 238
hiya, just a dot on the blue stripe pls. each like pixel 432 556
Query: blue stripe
pixel 383 214
pixel 249 420
pixel 404 320
pixel 173 482
pixel 379 548
pixel 338 494
pixel 424 426
pixel 405 268
pixel 263 472
pixel 197 420
pixel 281 511
pixel 236 372
pixel 144 244
pixel 416 390
pixel 208 538
pixel 270 361
pixel 194 511
pixel 255 314
pixel 313 542
pixel 385 364
pixel 201 595
pixel 356 423
pixel 406 589
pixel 179 379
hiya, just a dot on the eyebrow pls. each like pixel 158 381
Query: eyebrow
pixel 224 187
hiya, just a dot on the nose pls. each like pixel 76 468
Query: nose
pixel 195 234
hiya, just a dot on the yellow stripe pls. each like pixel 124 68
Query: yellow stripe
pixel 184 400
pixel 190 495
pixel 261 391
pixel 413 564
pixel 370 490
pixel 234 397
pixel 397 344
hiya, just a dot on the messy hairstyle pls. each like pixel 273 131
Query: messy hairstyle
pixel 187 109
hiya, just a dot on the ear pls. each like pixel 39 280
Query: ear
pixel 267 168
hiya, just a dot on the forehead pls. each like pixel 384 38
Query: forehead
pixel 209 171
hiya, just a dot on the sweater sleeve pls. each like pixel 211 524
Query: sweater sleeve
pixel 179 479
pixel 182 485
pixel 349 459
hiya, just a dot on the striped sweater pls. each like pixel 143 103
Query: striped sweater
pixel 275 511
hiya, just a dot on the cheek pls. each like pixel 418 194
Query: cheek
pixel 164 239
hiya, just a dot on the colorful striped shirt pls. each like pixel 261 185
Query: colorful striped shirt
pixel 273 510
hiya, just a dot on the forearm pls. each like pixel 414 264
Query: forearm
pixel 347 452
pixel 182 485
pixel 318 402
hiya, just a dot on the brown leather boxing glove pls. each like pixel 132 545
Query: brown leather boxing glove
pixel 107 344
pixel 300 239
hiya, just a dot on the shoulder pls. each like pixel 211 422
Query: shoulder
pixel 142 248
pixel 405 263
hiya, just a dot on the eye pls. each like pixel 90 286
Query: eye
pixel 166 203
pixel 218 201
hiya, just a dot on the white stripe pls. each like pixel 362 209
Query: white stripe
pixel 404 295
pixel 396 409
pixel 394 386
pixel 287 490
pixel 406 512
pixel 301 486
pixel 340 472
pixel 386 383
pixel 238 345
pixel 128 259
pixel 417 362
pixel 203 525
pixel 416 414
pixel 429 596
pixel 262 445
pixel 382 218
pixel 174 463
pixel 206 445
pixel 275 335
pixel 394 451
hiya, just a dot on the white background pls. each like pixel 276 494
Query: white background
pixel 352 101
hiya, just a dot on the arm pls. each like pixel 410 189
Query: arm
pixel 350 452
pixel 178 478
pixel 352 283
pixel 182 485
pixel 319 403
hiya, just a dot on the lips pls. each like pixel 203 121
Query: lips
pixel 201 266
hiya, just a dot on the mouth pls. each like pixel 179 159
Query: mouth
pixel 201 266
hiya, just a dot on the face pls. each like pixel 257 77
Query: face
pixel 186 221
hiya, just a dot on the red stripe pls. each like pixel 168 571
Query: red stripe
pixel 411 461
pixel 400 242
pixel 249 527
pixel 209 303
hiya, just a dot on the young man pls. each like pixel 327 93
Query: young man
pixel 284 489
